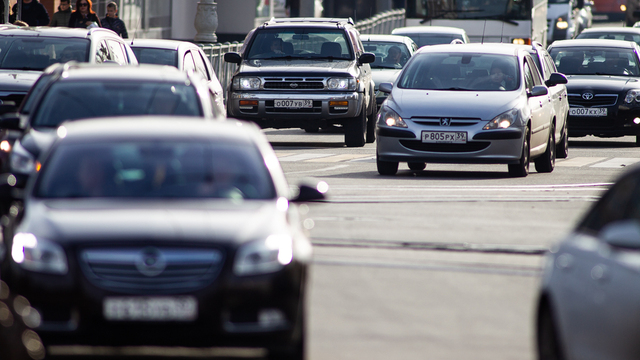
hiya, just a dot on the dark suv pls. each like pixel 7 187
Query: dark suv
pixel 305 73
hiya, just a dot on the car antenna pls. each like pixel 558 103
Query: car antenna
pixel 483 28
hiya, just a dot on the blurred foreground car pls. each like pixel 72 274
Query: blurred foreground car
pixel 162 232
pixel 588 300
pixel 468 103
pixel 432 35
pixel 185 56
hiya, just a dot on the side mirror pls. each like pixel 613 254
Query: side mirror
pixel 311 192
pixel 624 234
pixel 555 79
pixel 10 121
pixel 367 58
pixel 538 90
pixel 233 57
pixel 386 88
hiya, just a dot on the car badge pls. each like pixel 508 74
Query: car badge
pixel 151 262
pixel 587 96
pixel 445 121
pixel 294 85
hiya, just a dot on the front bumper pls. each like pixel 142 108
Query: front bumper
pixel 618 122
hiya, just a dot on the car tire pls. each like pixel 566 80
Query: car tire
pixel 521 169
pixel 547 343
pixel 386 167
pixel 547 162
pixel 417 166
pixel 371 128
pixel 354 129
pixel 562 149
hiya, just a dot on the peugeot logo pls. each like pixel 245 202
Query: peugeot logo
pixel 151 262
pixel 445 121
pixel 587 96
pixel 294 85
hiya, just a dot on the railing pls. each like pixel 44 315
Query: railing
pixel 382 23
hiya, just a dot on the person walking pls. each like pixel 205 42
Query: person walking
pixel 61 17
pixel 112 22
pixel 33 13
pixel 83 16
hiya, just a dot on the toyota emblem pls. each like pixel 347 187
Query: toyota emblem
pixel 294 85
pixel 587 96
pixel 445 121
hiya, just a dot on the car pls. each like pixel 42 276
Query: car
pixel 162 231
pixel 567 19
pixel 587 298
pixel 305 73
pixel 386 69
pixel 468 103
pixel 184 55
pixel 26 51
pixel 558 93
pixel 612 33
pixel 603 77
pixel 73 91
pixel 432 35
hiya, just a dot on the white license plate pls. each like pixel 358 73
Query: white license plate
pixel 293 104
pixel 451 137
pixel 588 111
pixel 167 308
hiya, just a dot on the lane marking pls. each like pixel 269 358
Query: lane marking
pixel 365 159
pixel 317 170
pixel 302 157
pixel 280 154
pixel 616 163
pixel 579 161
pixel 338 158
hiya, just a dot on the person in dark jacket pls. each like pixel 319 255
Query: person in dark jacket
pixel 112 22
pixel 33 13
pixel 83 16
pixel 61 17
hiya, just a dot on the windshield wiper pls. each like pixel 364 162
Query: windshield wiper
pixel 328 58
pixel 288 57
pixel 458 89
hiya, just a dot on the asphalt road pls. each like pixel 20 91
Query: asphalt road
pixel 438 264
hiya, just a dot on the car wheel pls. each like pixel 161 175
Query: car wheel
pixel 386 167
pixel 371 128
pixel 548 346
pixel 417 166
pixel 562 149
pixel 521 169
pixel 354 129
pixel 546 162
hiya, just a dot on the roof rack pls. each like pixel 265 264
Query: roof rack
pixel 310 19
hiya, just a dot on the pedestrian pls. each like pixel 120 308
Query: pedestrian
pixel 33 13
pixel 61 17
pixel 83 16
pixel 112 22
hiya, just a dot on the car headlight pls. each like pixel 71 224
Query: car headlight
pixel 246 83
pixel 632 95
pixel 390 118
pixel 21 161
pixel 264 256
pixel 341 84
pixel 38 254
pixel 503 121
pixel 562 23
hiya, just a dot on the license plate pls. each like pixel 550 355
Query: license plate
pixel 182 308
pixel 588 111
pixel 293 104
pixel 451 137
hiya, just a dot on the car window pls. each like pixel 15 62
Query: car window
pixel 34 93
pixel 188 63
pixel 156 169
pixel 621 202
pixel 461 71
pixel 38 53
pixel 304 43
pixel 386 54
pixel 595 61
pixel 102 53
pixel 535 74
pixel 117 51
pixel 550 64
pixel 70 100
pixel 528 77
pixel 156 56
pixel 355 40
pixel 611 36
pixel 201 68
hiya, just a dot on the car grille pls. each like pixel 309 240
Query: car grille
pixel 294 83
pixel 433 121
pixel 443 148
pixel 150 269
pixel 597 100
pixel 269 107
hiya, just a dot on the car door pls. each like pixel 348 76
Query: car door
pixel 541 107
pixel 365 69
pixel 558 95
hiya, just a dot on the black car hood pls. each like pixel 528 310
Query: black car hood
pixel 86 220
pixel 36 141
pixel 296 67
pixel 579 83
pixel 18 81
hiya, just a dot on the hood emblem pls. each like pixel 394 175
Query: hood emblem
pixel 445 121
pixel 587 96
pixel 150 262
pixel 294 85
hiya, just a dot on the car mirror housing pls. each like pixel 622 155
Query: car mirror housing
pixel 367 58
pixel 386 87
pixel 10 121
pixel 233 57
pixel 555 79
pixel 538 90
pixel 624 234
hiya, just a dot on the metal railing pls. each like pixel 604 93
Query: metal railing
pixel 382 23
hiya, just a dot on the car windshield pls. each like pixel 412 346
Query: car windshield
pixel 300 44
pixel 611 35
pixel 156 169
pixel 156 56
pixel 595 61
pixel 461 71
pixel 37 53
pixel 389 55
pixel 88 99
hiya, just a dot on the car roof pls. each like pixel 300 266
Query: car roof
pixel 612 29
pixel 386 38
pixel 307 22
pixel 427 30
pixel 45 31
pixel 593 43
pixel 142 72
pixel 161 44
pixel 487 48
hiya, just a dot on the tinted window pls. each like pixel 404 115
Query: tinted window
pixel 461 71
pixel 38 53
pixel 117 52
pixel 528 77
pixel 595 61
pixel 89 99
pixel 156 56
pixel 307 43
pixel 156 170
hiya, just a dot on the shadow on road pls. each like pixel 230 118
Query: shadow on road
pixel 584 144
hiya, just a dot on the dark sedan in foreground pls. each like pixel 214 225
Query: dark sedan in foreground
pixel 161 232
